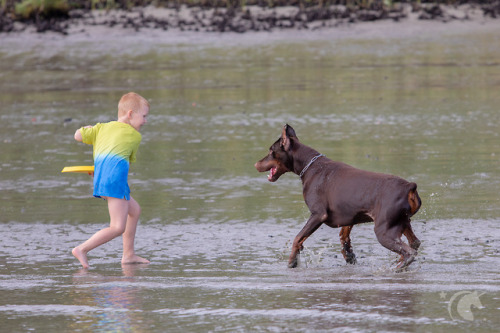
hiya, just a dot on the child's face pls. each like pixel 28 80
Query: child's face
pixel 138 118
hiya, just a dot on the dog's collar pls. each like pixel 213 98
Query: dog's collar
pixel 309 164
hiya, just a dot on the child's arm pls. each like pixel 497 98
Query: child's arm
pixel 78 134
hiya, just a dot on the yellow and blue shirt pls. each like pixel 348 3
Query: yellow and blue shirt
pixel 115 147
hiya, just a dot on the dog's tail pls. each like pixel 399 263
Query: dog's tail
pixel 413 199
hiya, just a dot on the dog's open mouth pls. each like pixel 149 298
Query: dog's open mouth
pixel 271 173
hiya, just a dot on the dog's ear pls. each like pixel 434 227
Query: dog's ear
pixel 290 131
pixel 287 133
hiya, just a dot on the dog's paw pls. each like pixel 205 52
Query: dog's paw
pixel 293 263
pixel 351 258
pixel 403 265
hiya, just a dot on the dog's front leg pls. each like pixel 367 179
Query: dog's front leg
pixel 311 226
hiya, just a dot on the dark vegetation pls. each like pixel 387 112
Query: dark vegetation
pixel 222 15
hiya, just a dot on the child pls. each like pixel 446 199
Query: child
pixel 115 147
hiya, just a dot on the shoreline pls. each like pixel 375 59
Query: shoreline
pixel 197 24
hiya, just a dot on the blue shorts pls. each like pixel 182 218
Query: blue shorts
pixel 111 178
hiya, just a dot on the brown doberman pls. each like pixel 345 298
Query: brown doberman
pixel 340 195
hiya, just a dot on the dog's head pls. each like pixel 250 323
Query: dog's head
pixel 279 160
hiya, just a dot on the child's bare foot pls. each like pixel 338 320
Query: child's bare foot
pixel 81 256
pixel 134 259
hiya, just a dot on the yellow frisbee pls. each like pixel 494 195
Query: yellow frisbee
pixel 83 169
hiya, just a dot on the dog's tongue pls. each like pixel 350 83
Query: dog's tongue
pixel 271 173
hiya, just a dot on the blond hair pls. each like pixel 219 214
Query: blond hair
pixel 131 101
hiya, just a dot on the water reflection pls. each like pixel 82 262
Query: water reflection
pixel 117 301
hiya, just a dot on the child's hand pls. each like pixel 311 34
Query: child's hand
pixel 78 135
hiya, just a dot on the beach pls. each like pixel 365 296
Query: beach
pixel 186 25
pixel 413 98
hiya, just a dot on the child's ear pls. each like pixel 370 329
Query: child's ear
pixel 129 114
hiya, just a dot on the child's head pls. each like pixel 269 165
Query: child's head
pixel 131 101
pixel 134 108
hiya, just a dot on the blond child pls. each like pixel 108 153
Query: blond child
pixel 115 146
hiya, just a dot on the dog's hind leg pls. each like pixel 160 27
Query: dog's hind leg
pixel 412 239
pixel 345 241
pixel 390 238
pixel 311 226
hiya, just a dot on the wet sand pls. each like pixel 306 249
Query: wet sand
pixel 241 283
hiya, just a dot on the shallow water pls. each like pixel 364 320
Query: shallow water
pixel 217 233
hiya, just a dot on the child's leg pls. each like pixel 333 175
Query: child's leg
pixel 118 211
pixel 129 256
